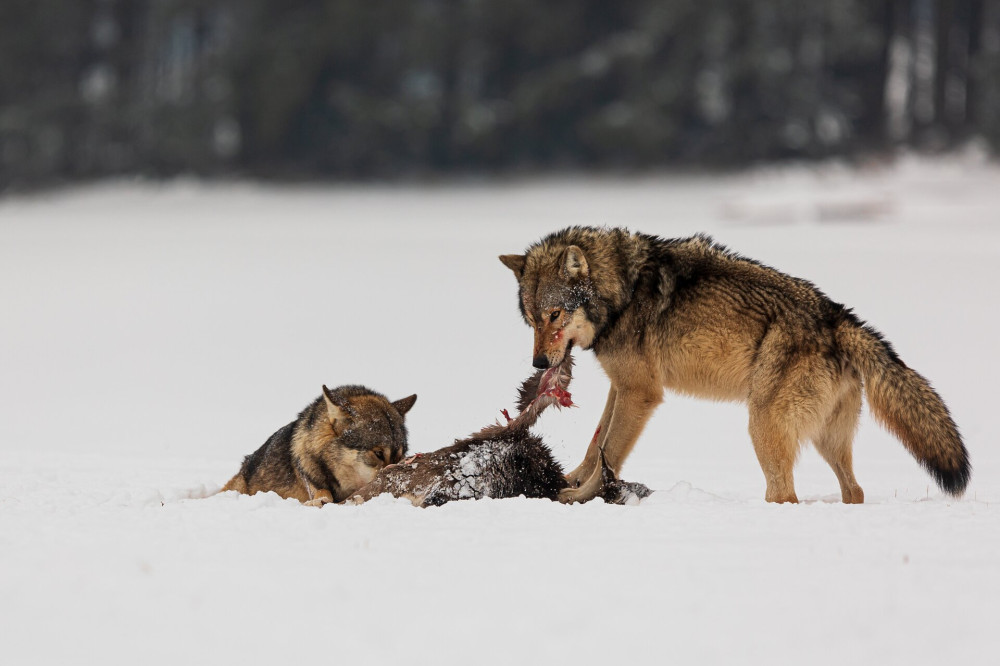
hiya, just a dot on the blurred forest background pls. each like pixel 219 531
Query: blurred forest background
pixel 292 89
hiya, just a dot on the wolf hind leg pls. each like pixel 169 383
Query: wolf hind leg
pixel 776 447
pixel 835 440
pixel 790 400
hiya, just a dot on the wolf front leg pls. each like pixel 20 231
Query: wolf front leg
pixel 586 468
pixel 317 496
pixel 320 498
pixel 632 409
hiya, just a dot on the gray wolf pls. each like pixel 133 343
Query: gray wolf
pixel 337 444
pixel 499 461
pixel 691 316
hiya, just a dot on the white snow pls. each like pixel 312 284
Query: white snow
pixel 466 478
pixel 152 336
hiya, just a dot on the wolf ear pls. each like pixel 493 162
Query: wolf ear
pixel 336 412
pixel 403 405
pixel 576 262
pixel 514 262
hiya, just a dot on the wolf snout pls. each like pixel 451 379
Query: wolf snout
pixel 541 362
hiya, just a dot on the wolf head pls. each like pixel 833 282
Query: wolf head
pixel 573 285
pixel 555 289
pixel 367 431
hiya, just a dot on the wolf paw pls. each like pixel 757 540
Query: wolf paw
pixel 319 501
pixel 574 495
pixel 576 478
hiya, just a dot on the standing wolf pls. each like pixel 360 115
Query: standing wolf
pixel 689 315
pixel 337 444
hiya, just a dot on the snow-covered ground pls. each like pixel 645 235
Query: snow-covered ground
pixel 152 336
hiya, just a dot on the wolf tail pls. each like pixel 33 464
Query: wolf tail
pixel 906 405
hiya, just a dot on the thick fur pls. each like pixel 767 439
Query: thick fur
pixel 337 444
pixel 691 316
pixel 510 464
pixel 499 461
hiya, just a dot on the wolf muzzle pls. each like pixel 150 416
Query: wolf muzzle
pixel 541 362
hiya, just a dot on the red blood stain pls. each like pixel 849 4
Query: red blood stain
pixel 562 396
pixel 506 415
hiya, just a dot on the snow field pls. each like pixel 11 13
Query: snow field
pixel 152 336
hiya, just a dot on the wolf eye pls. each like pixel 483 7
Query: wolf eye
pixel 555 315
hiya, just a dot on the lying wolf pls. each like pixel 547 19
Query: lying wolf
pixel 501 460
pixel 335 446
pixel 689 315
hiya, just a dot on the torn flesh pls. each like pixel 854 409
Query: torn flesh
pixel 551 390
pixel 552 385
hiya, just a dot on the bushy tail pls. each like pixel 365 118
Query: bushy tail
pixel 907 406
